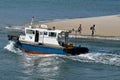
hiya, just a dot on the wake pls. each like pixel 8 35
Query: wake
pixel 96 37
pixel 103 58
pixel 11 47
pixel 14 27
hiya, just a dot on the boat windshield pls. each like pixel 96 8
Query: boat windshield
pixel 30 31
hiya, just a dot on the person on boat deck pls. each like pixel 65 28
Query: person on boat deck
pixel 92 28
pixel 53 27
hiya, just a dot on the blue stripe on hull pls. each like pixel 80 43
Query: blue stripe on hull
pixel 40 48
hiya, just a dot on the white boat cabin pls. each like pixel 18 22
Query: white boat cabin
pixel 45 36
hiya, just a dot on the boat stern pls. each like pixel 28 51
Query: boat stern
pixel 76 50
pixel 13 38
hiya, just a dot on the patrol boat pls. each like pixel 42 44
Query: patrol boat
pixel 42 40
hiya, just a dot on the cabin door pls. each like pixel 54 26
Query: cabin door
pixel 37 36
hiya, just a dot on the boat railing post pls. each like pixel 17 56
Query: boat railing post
pixel 43 38
pixel 76 37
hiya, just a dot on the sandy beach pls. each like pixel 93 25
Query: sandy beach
pixel 104 25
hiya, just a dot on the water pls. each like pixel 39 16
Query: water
pixel 101 63
pixel 14 12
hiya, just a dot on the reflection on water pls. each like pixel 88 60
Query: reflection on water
pixel 45 67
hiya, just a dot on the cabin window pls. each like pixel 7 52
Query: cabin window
pixel 52 34
pixel 41 33
pixel 30 32
pixel 45 33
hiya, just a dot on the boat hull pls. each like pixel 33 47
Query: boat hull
pixel 34 52
pixel 38 49
pixel 46 49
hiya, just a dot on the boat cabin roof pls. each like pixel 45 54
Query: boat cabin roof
pixel 44 30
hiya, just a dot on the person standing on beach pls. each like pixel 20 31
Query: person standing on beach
pixel 80 28
pixel 92 28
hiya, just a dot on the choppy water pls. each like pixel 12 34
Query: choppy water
pixel 101 63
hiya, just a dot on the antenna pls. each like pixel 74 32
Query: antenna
pixel 31 22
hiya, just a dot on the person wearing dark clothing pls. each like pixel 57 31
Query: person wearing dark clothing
pixel 80 28
pixel 92 28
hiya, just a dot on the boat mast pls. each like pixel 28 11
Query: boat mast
pixel 31 22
